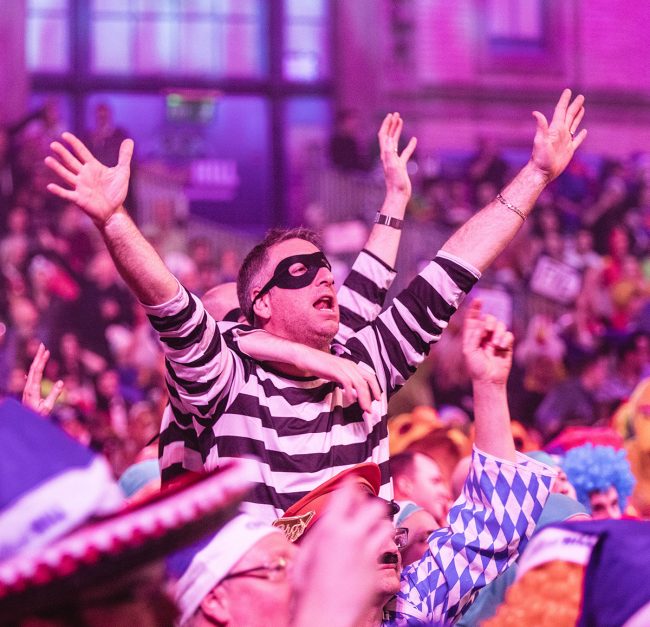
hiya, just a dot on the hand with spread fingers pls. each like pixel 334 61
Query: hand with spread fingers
pixel 98 189
pixel 32 392
pixel 487 346
pixel 395 164
pixel 555 143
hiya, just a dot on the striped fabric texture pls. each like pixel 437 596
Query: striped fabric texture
pixel 295 433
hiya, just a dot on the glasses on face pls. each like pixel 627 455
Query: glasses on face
pixel 401 537
pixel 274 571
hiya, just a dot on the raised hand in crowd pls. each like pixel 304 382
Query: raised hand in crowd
pixel 98 189
pixel 384 238
pixel 336 567
pixel 555 143
pixel 32 395
pixel 487 233
pixel 487 347
pixel 395 164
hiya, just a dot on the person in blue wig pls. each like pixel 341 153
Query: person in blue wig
pixel 602 478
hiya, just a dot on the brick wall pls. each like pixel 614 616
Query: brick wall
pixel 451 87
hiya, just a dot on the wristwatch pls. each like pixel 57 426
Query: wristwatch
pixel 394 223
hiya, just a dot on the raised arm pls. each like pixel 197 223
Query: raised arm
pixel 100 192
pixel 486 234
pixel 32 396
pixel 384 239
pixel 487 347
pixel 363 293
pixel 502 499
pixel 403 334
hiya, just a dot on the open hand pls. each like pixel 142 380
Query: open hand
pixel 394 164
pixel 98 189
pixel 555 143
pixel 32 391
pixel 487 346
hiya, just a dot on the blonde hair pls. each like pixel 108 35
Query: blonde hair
pixel 547 596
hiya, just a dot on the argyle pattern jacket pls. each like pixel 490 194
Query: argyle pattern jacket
pixel 489 525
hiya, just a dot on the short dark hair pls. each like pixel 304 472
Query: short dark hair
pixel 257 257
pixel 402 464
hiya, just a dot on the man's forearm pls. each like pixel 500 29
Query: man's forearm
pixel 136 260
pixel 492 420
pixel 480 240
pixel 383 241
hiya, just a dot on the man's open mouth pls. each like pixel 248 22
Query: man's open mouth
pixel 326 303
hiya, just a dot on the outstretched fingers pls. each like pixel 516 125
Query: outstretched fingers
pixel 126 152
pixel 67 194
pixel 78 147
pixel 579 138
pixel 34 376
pixel 61 171
pixel 66 157
pixel 542 122
pixel 576 120
pixel 410 148
pixel 560 112
pixel 574 109
pixel 47 404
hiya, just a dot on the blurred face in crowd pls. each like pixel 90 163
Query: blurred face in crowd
pixel 605 504
pixel 259 599
pixel 426 486
pixel 420 525
pixel 389 569
pixel 309 315
pixel 561 485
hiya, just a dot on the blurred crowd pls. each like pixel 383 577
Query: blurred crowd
pixel 573 286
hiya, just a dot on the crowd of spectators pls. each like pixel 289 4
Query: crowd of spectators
pixel 574 285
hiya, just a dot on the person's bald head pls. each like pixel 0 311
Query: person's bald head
pixel 221 302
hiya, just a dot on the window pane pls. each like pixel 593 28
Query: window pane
pixel 47 44
pixel 219 144
pixel 196 6
pixel 250 8
pixel 155 43
pixel 106 55
pixel 515 20
pixel 240 49
pixel 111 5
pixel 305 57
pixel 314 9
pixel 196 44
pixel 155 7
pixel 55 5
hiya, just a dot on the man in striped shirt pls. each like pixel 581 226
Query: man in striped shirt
pixel 297 431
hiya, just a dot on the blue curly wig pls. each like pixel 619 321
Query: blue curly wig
pixel 592 468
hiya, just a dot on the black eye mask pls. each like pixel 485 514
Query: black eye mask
pixel 284 279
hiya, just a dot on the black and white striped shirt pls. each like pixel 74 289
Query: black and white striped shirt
pixel 294 432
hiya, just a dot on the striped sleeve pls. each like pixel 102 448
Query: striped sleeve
pixel 363 293
pixel 200 368
pixel 397 342
pixel 489 525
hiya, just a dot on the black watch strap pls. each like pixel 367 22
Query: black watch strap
pixel 394 223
